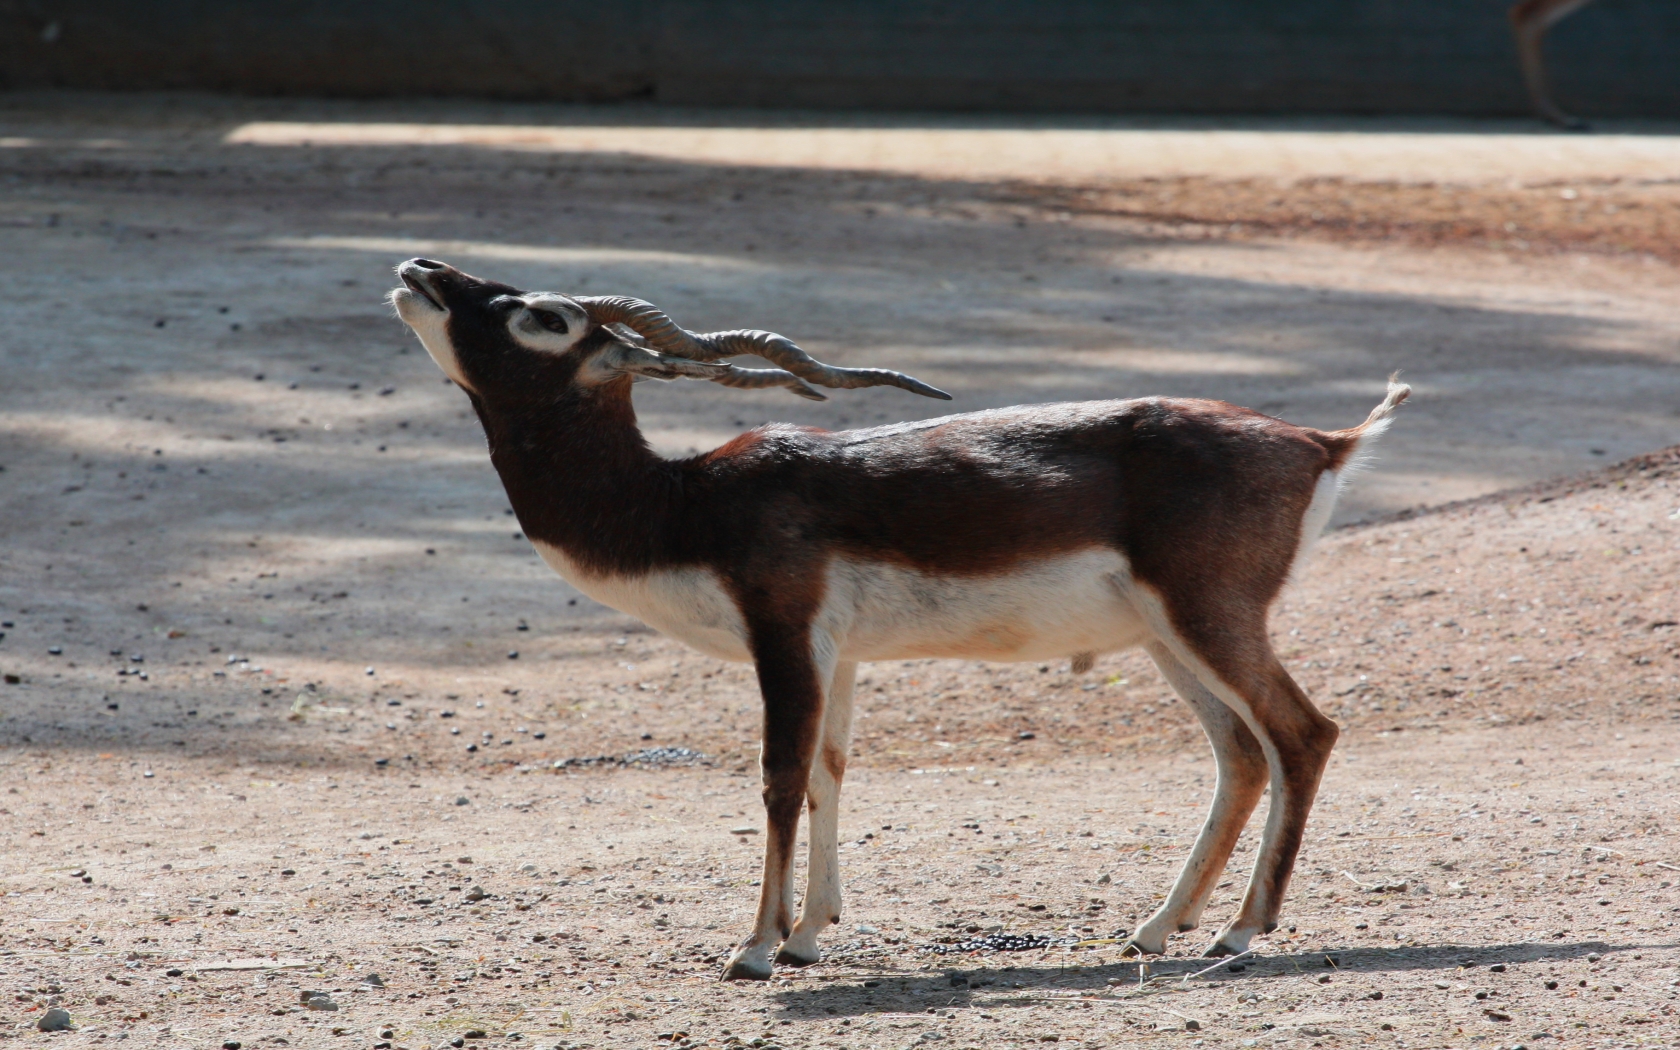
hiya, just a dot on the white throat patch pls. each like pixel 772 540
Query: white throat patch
pixel 431 324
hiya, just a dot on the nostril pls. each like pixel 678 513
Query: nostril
pixel 427 264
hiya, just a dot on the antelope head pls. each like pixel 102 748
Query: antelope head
pixel 499 342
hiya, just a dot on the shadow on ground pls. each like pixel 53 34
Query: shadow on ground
pixel 963 985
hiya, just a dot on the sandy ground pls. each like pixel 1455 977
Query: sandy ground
pixel 263 538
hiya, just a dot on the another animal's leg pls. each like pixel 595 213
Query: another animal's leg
pixel 791 679
pixel 1529 21
pixel 1241 765
pixel 822 804
pixel 1233 657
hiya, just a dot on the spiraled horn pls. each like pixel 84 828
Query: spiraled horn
pixel 665 335
pixel 760 378
pixel 784 352
pixel 646 320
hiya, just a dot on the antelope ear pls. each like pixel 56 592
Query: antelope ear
pixel 622 358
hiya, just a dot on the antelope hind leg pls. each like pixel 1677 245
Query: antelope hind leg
pixel 1297 741
pixel 1241 776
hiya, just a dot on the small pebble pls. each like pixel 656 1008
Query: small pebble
pixel 373 980
pixel 55 1020
pixel 462 800
pixel 55 650
pixel 232 1044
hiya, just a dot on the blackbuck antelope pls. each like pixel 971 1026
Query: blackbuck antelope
pixel 1028 533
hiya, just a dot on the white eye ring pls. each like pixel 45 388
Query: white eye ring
pixel 545 322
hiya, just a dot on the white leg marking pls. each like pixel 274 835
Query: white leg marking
pixel 822 877
pixel 1235 937
pixel 751 961
pixel 1241 777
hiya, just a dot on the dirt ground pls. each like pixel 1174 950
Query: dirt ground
pixel 285 691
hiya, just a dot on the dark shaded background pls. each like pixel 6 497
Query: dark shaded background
pixel 1616 58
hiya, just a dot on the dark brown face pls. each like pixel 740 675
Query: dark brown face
pixel 495 341
pixel 510 348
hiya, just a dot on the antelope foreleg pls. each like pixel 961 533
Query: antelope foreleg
pixel 789 678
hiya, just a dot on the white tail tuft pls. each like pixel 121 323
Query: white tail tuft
pixel 1375 426
pixel 1383 415
pixel 1356 456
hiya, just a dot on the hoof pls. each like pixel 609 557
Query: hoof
pixel 740 969
pixel 1221 947
pixel 1132 949
pixel 788 957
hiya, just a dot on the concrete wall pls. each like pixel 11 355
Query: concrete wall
pixel 1617 57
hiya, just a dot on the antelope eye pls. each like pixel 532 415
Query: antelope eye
pixel 551 320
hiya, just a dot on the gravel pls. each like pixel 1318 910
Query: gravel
pixel 647 758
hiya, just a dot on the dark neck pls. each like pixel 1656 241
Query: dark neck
pixel 580 475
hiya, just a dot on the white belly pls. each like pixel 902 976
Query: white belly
pixel 1047 609
pixel 687 604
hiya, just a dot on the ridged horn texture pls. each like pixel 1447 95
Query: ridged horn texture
pixel 797 370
